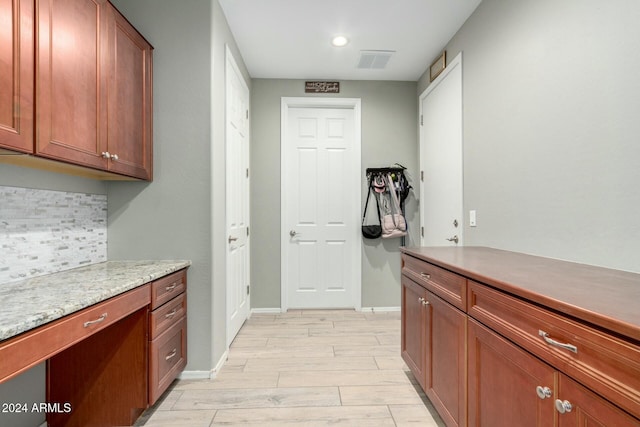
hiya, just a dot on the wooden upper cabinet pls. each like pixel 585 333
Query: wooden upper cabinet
pixel 129 99
pixel 16 75
pixel 93 88
pixel 70 81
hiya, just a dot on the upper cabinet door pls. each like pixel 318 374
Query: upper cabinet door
pixel 16 75
pixel 129 99
pixel 71 50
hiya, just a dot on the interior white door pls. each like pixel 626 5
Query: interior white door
pixel 321 207
pixel 441 207
pixel 237 198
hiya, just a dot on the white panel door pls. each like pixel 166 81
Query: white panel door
pixel 441 159
pixel 237 198
pixel 321 204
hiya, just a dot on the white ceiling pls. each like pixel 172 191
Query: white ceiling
pixel 290 39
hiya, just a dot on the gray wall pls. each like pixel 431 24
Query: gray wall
pixel 389 135
pixel 181 213
pixel 551 107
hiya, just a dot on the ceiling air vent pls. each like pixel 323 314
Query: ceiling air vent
pixel 374 59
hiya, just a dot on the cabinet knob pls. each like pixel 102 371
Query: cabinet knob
pixel 114 157
pixel 543 392
pixel 425 302
pixel 106 155
pixel 563 406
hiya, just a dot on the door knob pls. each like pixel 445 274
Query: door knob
pixel 293 233
pixel 454 239
pixel 232 239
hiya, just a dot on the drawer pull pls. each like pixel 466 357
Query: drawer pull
pixel 98 320
pixel 423 301
pixel 425 275
pixel 172 354
pixel 171 313
pixel 551 341
pixel 171 287
pixel 543 392
pixel 563 406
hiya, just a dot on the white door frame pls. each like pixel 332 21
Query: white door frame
pixel 355 187
pixel 231 66
pixel 454 64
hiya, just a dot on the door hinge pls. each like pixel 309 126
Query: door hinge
pixel 247 172
pixel 422 231
pixel 247 114
pixel 422 176
pixel 247 289
pixel 421 120
pixel 247 231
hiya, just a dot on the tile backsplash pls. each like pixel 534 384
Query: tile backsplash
pixel 43 231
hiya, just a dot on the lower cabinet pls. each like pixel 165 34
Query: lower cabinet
pixel 508 386
pixel 579 407
pixel 496 360
pixel 433 346
pixel 168 332
pixel 503 380
pixel 414 329
pixel 121 355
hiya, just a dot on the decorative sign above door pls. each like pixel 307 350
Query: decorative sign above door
pixel 322 87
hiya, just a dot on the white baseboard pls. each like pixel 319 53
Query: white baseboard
pixel 205 375
pixel 379 309
pixel 363 309
pixel 266 310
pixel 195 375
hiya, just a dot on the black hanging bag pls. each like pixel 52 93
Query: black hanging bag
pixel 372 231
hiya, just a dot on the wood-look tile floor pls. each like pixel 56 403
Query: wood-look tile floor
pixel 304 368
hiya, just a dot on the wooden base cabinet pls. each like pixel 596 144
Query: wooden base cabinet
pixel 503 380
pixel 167 332
pixel 414 329
pixel 489 354
pixel 587 409
pixel 433 346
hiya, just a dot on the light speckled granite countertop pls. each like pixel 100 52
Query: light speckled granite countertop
pixel 34 302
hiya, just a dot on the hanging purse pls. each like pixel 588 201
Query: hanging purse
pixel 372 231
pixel 393 222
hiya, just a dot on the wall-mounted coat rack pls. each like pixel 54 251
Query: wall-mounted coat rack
pixel 392 182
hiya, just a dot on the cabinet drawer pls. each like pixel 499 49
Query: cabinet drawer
pixel 166 288
pixel 167 357
pixel 26 350
pixel 445 284
pixel 163 317
pixel 600 361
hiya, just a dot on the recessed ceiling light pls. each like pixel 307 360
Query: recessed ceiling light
pixel 339 41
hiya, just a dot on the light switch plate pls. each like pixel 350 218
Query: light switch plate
pixel 472 218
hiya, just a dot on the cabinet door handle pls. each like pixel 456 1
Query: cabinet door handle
pixel 425 275
pixel 172 354
pixel 543 392
pixel 98 320
pixel 553 342
pixel 171 313
pixel 563 406
pixel 171 287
